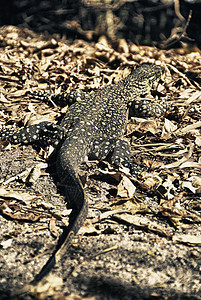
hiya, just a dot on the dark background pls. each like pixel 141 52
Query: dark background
pixel 148 22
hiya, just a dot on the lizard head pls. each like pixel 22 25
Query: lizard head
pixel 148 73
pixel 140 81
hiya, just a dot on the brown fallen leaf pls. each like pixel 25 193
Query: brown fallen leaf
pixel 88 228
pixel 143 223
pixel 53 228
pixel 128 205
pixel 182 160
pixel 149 181
pixel 126 188
pixel 168 128
pixel 190 127
pixel 191 240
pixel 177 215
pixel 123 46
pixel 46 287
pixel 36 172
pixel 190 164
pixel 147 126
pixel 6 244
pixel 21 196
pixel 18 215
pixel 198 141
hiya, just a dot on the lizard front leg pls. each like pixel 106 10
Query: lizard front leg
pixel 63 98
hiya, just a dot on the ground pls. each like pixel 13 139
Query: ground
pixel 136 244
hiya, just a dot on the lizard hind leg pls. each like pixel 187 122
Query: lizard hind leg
pixel 45 133
pixel 120 156
pixel 116 151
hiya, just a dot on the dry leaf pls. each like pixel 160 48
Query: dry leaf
pixel 24 197
pixel 191 240
pixel 190 164
pixel 144 223
pixel 170 188
pixel 188 185
pixel 130 206
pixel 193 184
pixel 182 160
pixel 18 215
pixel 168 128
pixel 149 181
pixel 147 126
pixel 123 46
pixel 126 188
pixel 109 213
pixel 191 127
pixel 198 141
pixel 88 228
pixel 23 176
pixel 6 244
pixel 53 228
pixel 176 215
pixel 46 287
pixel 36 172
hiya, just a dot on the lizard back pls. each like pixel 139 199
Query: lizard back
pixel 93 126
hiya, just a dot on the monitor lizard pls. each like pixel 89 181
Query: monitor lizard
pixel 93 126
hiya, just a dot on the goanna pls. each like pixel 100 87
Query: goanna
pixel 92 127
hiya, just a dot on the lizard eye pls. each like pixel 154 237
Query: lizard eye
pixel 151 79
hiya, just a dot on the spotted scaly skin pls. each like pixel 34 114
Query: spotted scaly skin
pixel 93 127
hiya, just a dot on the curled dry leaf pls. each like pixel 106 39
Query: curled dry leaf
pixel 6 244
pixel 193 184
pixel 126 188
pixel 18 214
pixel 190 164
pixel 24 197
pixel 36 172
pixel 53 228
pixel 123 46
pixel 3 99
pixel 182 160
pixel 152 164
pixel 191 240
pixel 176 215
pixel 168 128
pixel 107 214
pixel 170 188
pixel 147 126
pixel 198 141
pixel 144 223
pixel 88 228
pixel 168 204
pixel 130 206
pixel 46 287
pixel 191 127
pixel 149 181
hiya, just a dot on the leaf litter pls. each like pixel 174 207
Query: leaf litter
pixel 160 200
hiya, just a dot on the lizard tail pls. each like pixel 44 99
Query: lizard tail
pixel 75 193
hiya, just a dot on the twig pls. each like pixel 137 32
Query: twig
pixel 177 10
pixel 177 34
